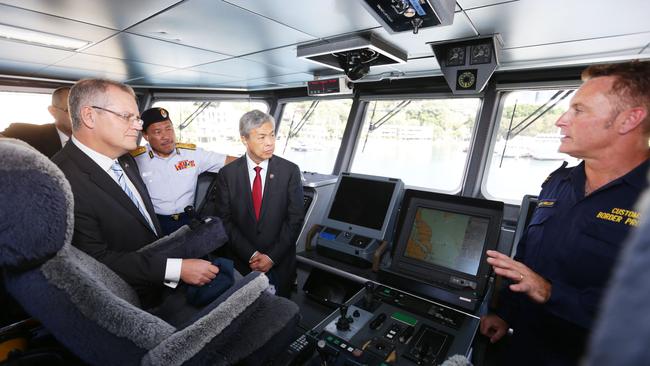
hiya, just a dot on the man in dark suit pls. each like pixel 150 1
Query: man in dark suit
pixel 260 201
pixel 47 138
pixel 114 216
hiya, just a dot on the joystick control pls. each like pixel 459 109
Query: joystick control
pixel 344 321
pixel 368 296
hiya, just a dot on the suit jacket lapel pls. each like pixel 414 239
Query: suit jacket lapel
pixel 245 180
pixel 51 140
pixel 104 182
pixel 53 137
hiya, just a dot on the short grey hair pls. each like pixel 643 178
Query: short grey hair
pixel 253 119
pixel 88 92
pixel 57 96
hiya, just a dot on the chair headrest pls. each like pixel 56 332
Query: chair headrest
pixel 37 206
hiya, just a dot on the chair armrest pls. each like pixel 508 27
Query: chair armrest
pixel 208 324
pixel 191 243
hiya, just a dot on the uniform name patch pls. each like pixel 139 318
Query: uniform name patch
pixel 620 215
pixel 546 203
pixel 184 164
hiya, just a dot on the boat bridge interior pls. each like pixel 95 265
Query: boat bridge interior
pixel 363 91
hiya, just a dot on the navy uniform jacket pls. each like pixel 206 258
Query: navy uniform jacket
pixel 573 242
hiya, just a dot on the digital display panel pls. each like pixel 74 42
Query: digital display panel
pixel 447 239
pixel 362 202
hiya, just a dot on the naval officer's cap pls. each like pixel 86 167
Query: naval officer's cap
pixel 153 115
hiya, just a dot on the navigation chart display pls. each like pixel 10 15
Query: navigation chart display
pixel 447 239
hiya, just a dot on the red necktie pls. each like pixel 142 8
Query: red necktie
pixel 257 192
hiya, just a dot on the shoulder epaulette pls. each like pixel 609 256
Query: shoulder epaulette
pixel 561 168
pixel 182 145
pixel 139 151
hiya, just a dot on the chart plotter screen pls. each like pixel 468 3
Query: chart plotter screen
pixel 447 239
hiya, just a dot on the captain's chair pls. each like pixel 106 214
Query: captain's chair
pixel 92 311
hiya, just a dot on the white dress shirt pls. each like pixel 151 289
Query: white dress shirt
pixel 251 171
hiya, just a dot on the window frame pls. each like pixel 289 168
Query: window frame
pixel 161 97
pixel 281 108
pixel 503 90
pixel 366 99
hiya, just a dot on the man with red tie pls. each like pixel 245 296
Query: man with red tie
pixel 260 201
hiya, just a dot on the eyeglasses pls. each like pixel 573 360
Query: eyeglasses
pixel 64 110
pixel 128 117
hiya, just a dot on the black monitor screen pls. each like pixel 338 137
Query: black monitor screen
pixel 447 239
pixel 362 202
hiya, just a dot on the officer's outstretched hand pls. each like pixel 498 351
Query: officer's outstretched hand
pixel 525 279
pixel 198 271
pixel 493 327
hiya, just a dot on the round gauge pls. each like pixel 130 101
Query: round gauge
pixel 481 54
pixel 409 13
pixel 455 56
pixel 466 79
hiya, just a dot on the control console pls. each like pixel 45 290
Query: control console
pixel 384 326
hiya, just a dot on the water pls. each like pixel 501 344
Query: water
pixel 437 166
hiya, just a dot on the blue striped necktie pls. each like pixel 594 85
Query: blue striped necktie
pixel 121 180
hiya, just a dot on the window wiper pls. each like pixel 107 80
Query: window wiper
pixel 531 118
pixel 303 121
pixel 549 104
pixel 189 119
pixel 385 118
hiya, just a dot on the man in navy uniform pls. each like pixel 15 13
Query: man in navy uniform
pixel 565 258
pixel 51 137
pixel 260 200
pixel 170 169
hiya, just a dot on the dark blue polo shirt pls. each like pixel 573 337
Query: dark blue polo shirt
pixel 573 242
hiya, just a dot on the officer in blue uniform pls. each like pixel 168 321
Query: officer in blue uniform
pixel 565 258
pixel 170 169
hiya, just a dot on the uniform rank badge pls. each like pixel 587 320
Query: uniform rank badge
pixel 546 203
pixel 185 164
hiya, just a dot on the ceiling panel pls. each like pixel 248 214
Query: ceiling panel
pixel 242 69
pixel 137 48
pixel 186 78
pixel 296 79
pixel 251 84
pixel 22 52
pixel 19 68
pixel 285 57
pixel 116 14
pixel 74 74
pixel 319 18
pixel 624 47
pixel 421 66
pixel 469 4
pixel 130 69
pixel 46 23
pixel 193 23
pixel 526 23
